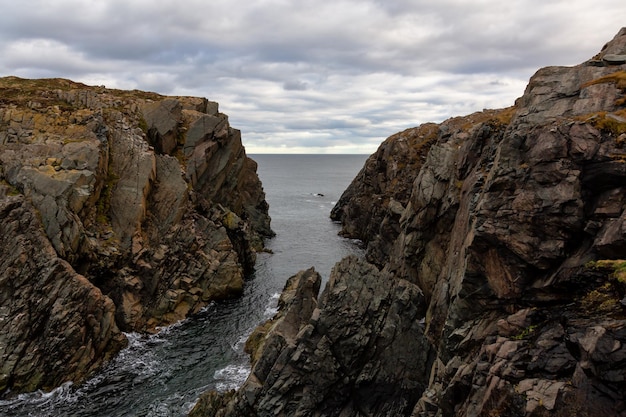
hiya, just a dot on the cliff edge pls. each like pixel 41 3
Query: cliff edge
pixel 495 276
pixel 119 211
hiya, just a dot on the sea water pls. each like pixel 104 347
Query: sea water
pixel 163 374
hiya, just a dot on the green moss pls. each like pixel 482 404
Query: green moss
pixel 525 333
pixel 231 221
pixel 104 202
pixel 256 340
pixel 615 267
pixel 601 301
pixel 11 190
pixel 143 125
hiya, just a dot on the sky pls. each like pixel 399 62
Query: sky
pixel 304 76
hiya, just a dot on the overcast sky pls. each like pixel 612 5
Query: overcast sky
pixel 309 76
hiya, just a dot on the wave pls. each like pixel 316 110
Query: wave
pixel 231 377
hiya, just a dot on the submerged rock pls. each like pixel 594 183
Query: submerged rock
pixel 121 210
pixel 498 241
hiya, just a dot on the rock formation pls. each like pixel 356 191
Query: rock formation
pixel 497 281
pixel 120 211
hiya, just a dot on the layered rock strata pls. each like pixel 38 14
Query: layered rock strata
pixel 507 230
pixel 120 210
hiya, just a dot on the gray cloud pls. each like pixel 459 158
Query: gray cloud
pixel 309 76
pixel 295 86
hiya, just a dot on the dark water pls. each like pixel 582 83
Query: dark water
pixel 163 374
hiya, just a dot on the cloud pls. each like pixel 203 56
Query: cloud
pixel 295 86
pixel 309 76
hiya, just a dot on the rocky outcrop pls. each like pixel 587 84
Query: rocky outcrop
pixel 357 352
pixel 511 235
pixel 370 208
pixel 123 210
pixel 48 310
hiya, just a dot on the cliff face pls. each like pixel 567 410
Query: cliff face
pixel 120 210
pixel 498 288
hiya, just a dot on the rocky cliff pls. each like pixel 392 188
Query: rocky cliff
pixel 494 282
pixel 120 211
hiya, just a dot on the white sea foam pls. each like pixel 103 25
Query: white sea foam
pixel 41 399
pixel 241 341
pixel 272 306
pixel 231 377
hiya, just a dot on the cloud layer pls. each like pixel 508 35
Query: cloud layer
pixel 309 76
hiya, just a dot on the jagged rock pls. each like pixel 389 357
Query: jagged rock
pixel 55 325
pixel 114 179
pixel 348 356
pixel 508 237
pixel 370 208
pixel 614 59
pixel 162 119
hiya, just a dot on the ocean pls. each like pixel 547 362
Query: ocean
pixel 162 375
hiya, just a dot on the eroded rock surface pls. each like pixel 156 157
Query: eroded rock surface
pixel 123 210
pixel 506 229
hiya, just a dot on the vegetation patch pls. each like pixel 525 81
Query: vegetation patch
pixel 601 301
pixel 497 118
pixel 103 205
pixel 11 190
pixel 615 267
pixel 143 125
pixel 605 299
pixel 605 123
pixel 256 340
pixel 619 78
pixel 526 333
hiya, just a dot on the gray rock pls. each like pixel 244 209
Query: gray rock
pixel 162 119
pixel 349 356
pixel 614 59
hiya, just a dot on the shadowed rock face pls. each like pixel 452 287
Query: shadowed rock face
pixel 120 210
pixel 509 226
pixel 48 310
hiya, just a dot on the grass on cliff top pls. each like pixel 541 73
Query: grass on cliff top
pixel 20 91
pixel 619 78
pixel 500 117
